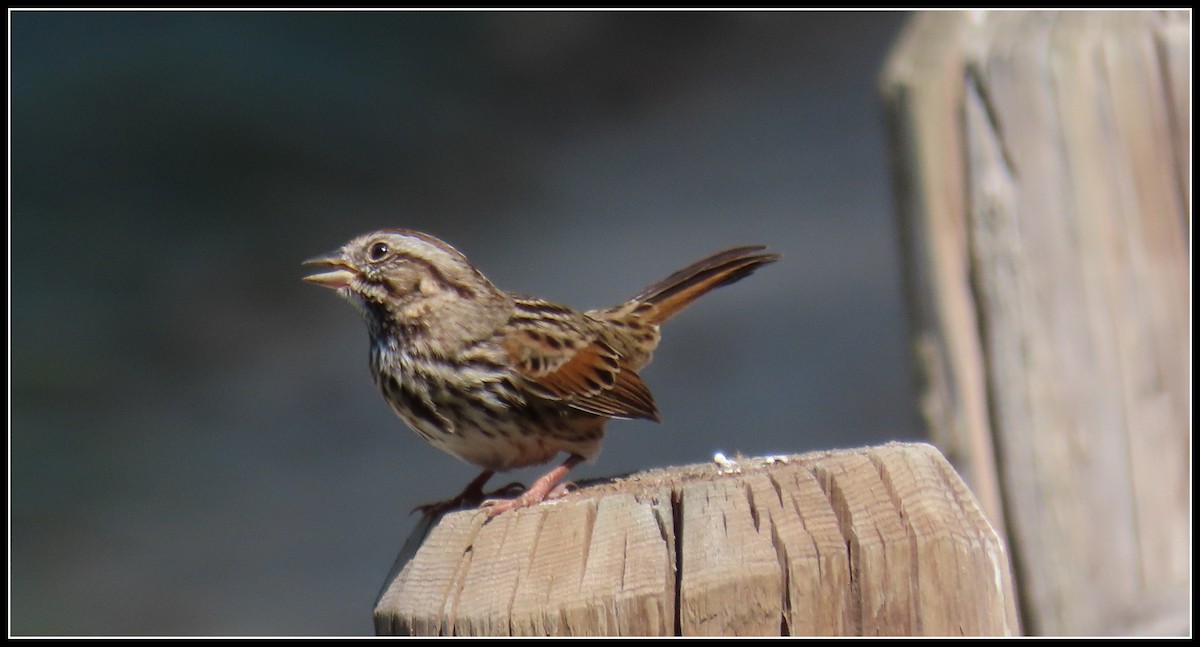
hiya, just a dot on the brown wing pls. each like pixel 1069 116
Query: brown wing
pixel 562 360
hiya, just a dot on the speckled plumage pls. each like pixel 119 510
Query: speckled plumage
pixel 504 381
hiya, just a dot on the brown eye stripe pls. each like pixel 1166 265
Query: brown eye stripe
pixel 438 275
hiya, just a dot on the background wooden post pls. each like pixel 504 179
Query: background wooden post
pixel 1042 176
pixel 884 540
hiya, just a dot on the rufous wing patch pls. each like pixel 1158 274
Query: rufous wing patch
pixel 591 378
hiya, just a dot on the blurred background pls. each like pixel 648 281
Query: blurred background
pixel 196 446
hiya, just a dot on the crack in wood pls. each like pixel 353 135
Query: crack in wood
pixel 841 513
pixel 459 582
pixel 754 514
pixel 979 91
pixel 589 528
pixel 786 559
pixel 677 521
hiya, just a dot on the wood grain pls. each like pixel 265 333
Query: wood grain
pixel 876 541
pixel 1045 229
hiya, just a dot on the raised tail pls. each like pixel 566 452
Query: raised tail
pixel 661 301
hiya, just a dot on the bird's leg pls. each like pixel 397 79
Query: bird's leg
pixel 546 486
pixel 471 495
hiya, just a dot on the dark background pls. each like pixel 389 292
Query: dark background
pixel 196 445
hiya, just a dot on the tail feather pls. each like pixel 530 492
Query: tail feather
pixel 662 300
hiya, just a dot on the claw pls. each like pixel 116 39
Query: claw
pixel 470 496
pixel 561 490
pixel 439 508
pixel 496 507
pixel 546 487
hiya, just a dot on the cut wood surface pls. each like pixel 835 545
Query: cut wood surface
pixel 876 541
pixel 1043 182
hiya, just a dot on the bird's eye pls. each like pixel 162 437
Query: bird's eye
pixel 378 252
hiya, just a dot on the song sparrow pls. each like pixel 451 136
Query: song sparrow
pixel 500 380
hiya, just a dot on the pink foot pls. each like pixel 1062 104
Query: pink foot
pixel 546 487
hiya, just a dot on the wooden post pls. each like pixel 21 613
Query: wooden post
pixel 876 541
pixel 1042 178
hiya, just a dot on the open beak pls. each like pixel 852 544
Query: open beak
pixel 339 276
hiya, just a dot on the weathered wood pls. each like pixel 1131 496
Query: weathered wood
pixel 1042 180
pixel 883 540
pixel 923 86
pixel 731 582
